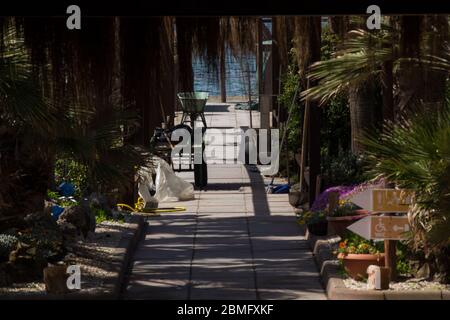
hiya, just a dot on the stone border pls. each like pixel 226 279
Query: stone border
pixel 332 279
pixel 113 285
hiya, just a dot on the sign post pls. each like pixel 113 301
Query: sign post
pixel 390 258
pixel 388 228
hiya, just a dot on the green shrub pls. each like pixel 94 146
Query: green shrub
pixel 343 169
pixel 102 215
pixel 71 171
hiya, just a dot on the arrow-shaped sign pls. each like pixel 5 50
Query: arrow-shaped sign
pixel 383 200
pixel 381 227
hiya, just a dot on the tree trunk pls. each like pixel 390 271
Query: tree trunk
pixel 362 112
pixel 434 95
pixel 409 80
pixel 415 91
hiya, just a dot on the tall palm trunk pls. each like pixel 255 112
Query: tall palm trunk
pixel 362 112
pixel 361 100
pixel 184 53
pixel 409 79
pixel 437 26
pixel 419 85
pixel 308 41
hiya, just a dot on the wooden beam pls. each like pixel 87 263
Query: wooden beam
pixel 314 113
pixel 223 76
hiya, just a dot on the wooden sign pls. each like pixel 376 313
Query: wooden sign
pixel 383 200
pixel 381 227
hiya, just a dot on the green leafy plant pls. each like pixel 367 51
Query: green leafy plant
pixel 70 170
pixel 345 168
pixel 311 217
pixel 56 198
pixel 52 195
pixel 101 216
pixel 345 209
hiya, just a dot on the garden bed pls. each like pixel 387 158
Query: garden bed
pixel 408 285
pixel 339 287
pixel 103 259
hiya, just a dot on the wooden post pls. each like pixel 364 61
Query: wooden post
pixel 259 56
pixel 262 74
pixel 304 153
pixel 276 75
pixel 318 184
pixel 55 279
pixel 333 201
pixel 390 257
pixel 314 45
pixel 223 80
pixel 249 84
pixel 390 250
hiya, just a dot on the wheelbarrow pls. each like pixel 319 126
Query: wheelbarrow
pixel 193 105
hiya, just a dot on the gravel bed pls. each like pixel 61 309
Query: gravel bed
pixel 408 285
pixel 94 255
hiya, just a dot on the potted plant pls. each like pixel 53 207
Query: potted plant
pixel 343 216
pixel 315 221
pixel 357 254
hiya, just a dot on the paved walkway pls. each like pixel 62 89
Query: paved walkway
pixel 233 242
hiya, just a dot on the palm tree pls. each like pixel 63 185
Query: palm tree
pixel 388 59
pixel 26 123
pixel 89 129
pixel 414 153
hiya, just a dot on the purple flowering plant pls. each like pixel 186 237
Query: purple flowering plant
pixel 345 192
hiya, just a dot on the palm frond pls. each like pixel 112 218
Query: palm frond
pixel 361 59
pixel 415 153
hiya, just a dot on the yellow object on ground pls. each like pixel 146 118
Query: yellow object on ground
pixel 139 208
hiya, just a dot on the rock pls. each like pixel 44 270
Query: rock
pixel 80 217
pixel 69 231
pixel 100 201
pixel 424 272
pixel 26 263
pixel 90 236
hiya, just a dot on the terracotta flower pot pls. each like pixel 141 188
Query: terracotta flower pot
pixel 338 225
pixel 356 264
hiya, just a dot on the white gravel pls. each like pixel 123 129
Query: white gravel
pixel 408 285
pixel 94 256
